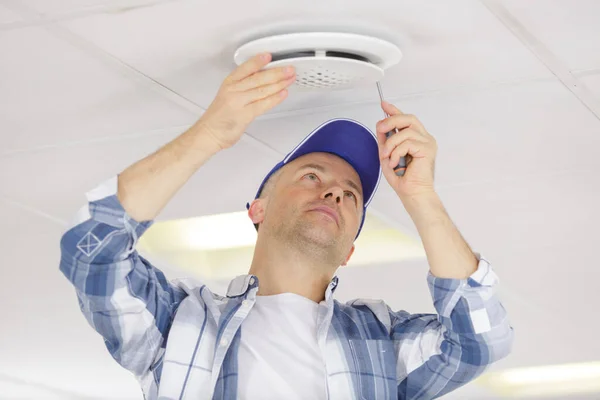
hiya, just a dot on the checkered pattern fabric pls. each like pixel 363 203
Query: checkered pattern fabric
pixel 181 341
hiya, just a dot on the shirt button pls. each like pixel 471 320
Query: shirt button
pixel 224 342
pixel 252 281
pixel 245 302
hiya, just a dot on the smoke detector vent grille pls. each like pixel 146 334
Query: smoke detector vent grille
pixel 325 60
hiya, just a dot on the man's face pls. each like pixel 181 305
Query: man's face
pixel 316 202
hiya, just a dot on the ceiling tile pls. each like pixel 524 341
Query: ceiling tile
pixel 54 92
pixel 189 47
pixel 592 82
pixel 548 291
pixel 7 15
pixel 569 29
pixel 55 180
pixel 528 211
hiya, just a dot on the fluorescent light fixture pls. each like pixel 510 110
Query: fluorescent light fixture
pixel 221 246
pixel 211 232
pixel 548 380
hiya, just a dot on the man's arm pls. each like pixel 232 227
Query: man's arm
pixel 147 186
pixel 123 297
pixel 448 254
pixel 440 353
pixel 471 330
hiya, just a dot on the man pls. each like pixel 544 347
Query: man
pixel 278 333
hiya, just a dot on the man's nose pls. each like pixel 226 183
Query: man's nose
pixel 335 193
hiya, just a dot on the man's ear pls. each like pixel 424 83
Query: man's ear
pixel 256 212
pixel 349 255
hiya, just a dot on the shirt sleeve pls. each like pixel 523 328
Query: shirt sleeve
pixel 439 353
pixel 123 297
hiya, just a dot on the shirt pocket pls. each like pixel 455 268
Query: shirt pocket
pixel 373 368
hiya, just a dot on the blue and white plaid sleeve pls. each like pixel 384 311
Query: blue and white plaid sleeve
pixel 124 298
pixel 439 353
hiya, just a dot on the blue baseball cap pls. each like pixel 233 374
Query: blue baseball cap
pixel 348 139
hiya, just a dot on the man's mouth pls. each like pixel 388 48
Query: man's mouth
pixel 328 211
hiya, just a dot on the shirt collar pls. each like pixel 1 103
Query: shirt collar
pixel 331 288
pixel 241 284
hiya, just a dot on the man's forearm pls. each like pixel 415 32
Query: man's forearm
pixel 146 187
pixel 448 253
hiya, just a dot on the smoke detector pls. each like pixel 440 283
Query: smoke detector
pixel 325 60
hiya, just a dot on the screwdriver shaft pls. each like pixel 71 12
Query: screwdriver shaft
pixel 401 167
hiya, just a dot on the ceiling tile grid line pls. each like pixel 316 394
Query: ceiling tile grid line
pixel 124 68
pixel 32 210
pixel 115 137
pixel 551 61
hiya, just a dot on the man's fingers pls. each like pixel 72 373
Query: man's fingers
pixel 249 67
pixel 263 78
pixel 262 106
pixel 405 149
pixel 397 138
pixel 262 92
pixel 390 108
pixel 401 121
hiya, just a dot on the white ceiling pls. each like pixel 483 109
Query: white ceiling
pixel 510 89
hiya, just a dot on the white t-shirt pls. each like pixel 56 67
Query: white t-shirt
pixel 279 357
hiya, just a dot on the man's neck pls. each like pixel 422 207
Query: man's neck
pixel 281 268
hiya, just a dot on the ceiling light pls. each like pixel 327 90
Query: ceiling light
pixel 548 380
pixel 211 232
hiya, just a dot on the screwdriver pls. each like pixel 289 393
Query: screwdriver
pixel 400 169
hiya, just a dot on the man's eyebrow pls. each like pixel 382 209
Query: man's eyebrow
pixel 320 168
pixel 312 166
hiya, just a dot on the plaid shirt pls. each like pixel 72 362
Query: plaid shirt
pixel 181 341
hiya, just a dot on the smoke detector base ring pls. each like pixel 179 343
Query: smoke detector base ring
pixel 326 60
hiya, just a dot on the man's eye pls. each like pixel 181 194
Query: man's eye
pixel 351 195
pixel 312 176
